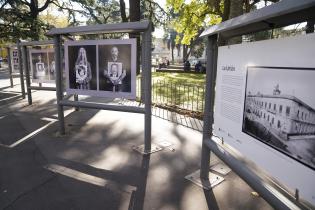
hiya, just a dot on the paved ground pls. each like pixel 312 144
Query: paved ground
pixel 93 165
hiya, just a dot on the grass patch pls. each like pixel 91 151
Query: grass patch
pixel 187 78
pixel 178 90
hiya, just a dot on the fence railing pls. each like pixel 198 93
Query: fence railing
pixel 189 97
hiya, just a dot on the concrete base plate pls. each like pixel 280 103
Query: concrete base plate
pixel 140 149
pixel 164 143
pixel 205 184
pixel 220 168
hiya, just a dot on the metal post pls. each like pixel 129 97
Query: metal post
pixel 27 75
pixel 146 46
pixel 10 66
pixel 76 98
pixel 21 69
pixel 212 49
pixel 59 89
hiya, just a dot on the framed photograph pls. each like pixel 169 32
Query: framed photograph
pixel 279 110
pixel 15 60
pixel 42 63
pixel 105 68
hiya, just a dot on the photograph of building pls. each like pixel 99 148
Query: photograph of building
pixel 279 110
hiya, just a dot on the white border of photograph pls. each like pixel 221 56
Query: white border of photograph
pixel 99 93
pixel 31 51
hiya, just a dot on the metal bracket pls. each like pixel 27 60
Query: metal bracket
pixel 205 184
pixel 140 149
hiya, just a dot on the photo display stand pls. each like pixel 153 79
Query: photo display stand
pixel 143 27
pixel 15 65
pixel 27 64
pixel 277 15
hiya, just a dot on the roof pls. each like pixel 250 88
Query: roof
pixel 37 43
pixel 283 96
pixel 283 13
pixel 126 27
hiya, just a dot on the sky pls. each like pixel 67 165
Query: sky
pixel 299 83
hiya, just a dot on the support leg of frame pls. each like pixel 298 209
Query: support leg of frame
pixel 59 88
pixel 76 98
pixel 27 75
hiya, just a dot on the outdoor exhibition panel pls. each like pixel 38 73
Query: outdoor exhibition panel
pixel 259 101
pixel 265 107
pixel 42 63
pixel 39 65
pixel 15 65
pixel 104 68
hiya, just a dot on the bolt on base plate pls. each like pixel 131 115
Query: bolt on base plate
pixel 205 184
pixel 221 168
pixel 140 149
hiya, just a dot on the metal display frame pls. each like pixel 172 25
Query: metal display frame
pixel 29 88
pixel 143 27
pixel 21 74
pixel 277 15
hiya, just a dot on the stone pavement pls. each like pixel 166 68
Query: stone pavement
pixel 93 165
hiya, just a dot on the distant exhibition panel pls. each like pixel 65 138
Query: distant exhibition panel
pixel 105 68
pixel 265 107
pixel 42 63
pixel 14 59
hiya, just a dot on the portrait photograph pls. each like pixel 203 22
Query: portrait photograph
pixel 279 110
pixel 41 62
pixel 81 67
pixel 104 68
pixel 117 67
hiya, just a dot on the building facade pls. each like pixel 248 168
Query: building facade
pixel 284 115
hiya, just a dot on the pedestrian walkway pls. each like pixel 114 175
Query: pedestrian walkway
pixel 94 167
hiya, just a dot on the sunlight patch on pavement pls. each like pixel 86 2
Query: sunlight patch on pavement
pixel 34 133
pixel 76 175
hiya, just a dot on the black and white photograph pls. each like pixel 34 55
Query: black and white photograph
pixel 115 68
pixel 15 60
pixel 81 65
pixel 105 68
pixel 279 110
pixel 42 64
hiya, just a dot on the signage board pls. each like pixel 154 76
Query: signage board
pixel 265 107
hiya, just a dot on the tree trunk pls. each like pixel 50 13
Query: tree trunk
pixel 172 47
pixel 184 52
pixel 123 11
pixel 134 15
pixel 236 9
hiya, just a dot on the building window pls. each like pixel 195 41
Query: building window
pixel 269 105
pixel 268 118
pixel 279 124
pixel 302 115
pixel 274 107
pixel 280 109
pixel 266 105
pixel 298 113
pixel 264 115
pixel 287 111
pixel 273 120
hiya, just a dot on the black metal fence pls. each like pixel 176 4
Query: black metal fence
pixel 189 97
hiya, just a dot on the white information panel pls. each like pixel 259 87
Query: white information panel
pixel 265 107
